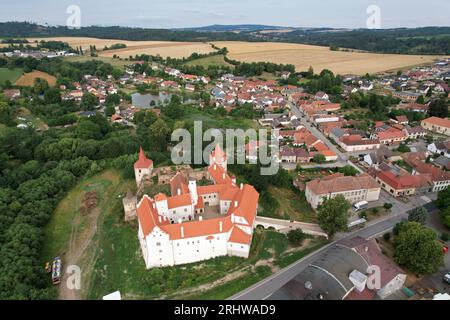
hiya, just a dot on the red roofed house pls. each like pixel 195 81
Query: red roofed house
pixel 142 168
pixel 197 222
pixel 436 124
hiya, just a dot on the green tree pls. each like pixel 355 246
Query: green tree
pixel 89 101
pixel 445 217
pixel 443 199
pixel 159 134
pixel 418 214
pixel 319 158
pixel 333 215
pixel 110 110
pixel 296 236
pixel 348 170
pixel 416 248
pixel 438 108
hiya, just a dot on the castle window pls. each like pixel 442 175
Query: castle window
pixel 158 244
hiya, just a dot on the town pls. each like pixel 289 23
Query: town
pixel 86 160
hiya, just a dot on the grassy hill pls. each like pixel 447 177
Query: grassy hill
pixel 10 74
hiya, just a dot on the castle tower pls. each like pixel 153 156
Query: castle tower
pixel 142 168
pixel 193 191
pixel 129 206
pixel 218 157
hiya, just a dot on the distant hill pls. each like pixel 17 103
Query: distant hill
pixel 234 28
pixel 428 40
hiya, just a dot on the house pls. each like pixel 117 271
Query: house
pixel 438 125
pixel 355 142
pixel 415 132
pixel 400 182
pixel 401 120
pixel 379 156
pixel 197 222
pixel 440 180
pixel 355 189
pixel 440 147
pixel 321 96
pixel 11 93
pixel 294 155
pixel 442 162
pixel 366 86
pixel 342 273
pixel 390 136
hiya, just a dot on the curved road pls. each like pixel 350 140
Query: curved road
pixel 265 288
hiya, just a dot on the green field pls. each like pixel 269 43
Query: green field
pixel 216 60
pixel 114 62
pixel 9 74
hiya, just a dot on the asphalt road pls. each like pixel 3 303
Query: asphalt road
pixel 265 288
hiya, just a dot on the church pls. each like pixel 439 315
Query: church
pixel 196 222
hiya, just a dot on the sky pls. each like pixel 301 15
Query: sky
pixel 195 13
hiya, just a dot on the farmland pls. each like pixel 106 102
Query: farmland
pixel 9 74
pixel 303 56
pixel 28 78
pixel 162 48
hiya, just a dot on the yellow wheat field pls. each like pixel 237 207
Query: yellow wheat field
pixel 303 56
pixel 163 48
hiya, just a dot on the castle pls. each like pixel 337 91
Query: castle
pixel 196 222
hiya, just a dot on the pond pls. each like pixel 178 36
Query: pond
pixel 143 101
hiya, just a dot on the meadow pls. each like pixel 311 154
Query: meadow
pixel 27 79
pixel 9 74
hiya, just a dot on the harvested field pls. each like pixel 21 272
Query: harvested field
pixel 303 56
pixel 163 48
pixel 27 80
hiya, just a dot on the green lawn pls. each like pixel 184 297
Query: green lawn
pixel 10 74
pixel 216 60
pixel 114 62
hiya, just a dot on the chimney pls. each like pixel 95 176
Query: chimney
pixel 223 176
pixel 214 167
pixel 179 220
pixel 242 186
pixel 200 218
pixel 182 231
pixel 179 191
pixel 232 218
pixel 159 219
pixel 236 203
pixel 154 205
pixel 220 226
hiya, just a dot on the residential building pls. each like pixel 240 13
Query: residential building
pixel 355 189
pixel 438 125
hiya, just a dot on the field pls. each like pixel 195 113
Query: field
pixel 8 74
pixel 162 48
pixel 303 56
pixel 114 62
pixel 27 80
pixel 216 60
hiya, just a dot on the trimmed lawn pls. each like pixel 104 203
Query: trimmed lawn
pixel 10 74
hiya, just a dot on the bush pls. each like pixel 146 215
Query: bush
pixel 387 206
pixel 363 215
pixel 296 236
pixel 445 236
pixel 387 236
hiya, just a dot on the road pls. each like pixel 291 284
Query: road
pixel 265 288
pixel 295 111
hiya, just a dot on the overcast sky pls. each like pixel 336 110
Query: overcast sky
pixel 194 13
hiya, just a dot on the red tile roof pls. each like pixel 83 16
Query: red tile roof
pixel 143 162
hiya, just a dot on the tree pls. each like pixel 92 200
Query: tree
pixel 89 101
pixel 348 170
pixel 319 158
pixel 110 110
pixel 333 215
pixel 443 199
pixel 387 205
pixel 296 236
pixel 445 217
pixel 159 133
pixel 416 248
pixel 418 214
pixel 438 108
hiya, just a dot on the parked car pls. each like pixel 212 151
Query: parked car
pixel 447 278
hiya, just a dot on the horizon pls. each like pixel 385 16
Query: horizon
pixel 176 14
